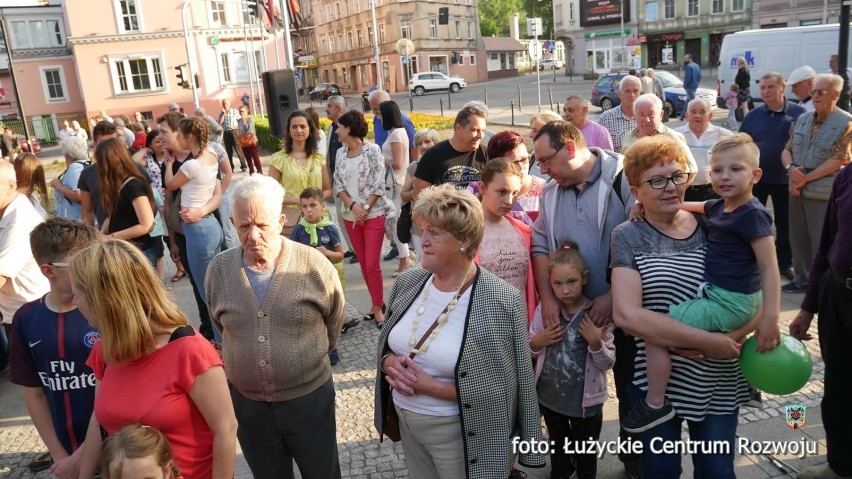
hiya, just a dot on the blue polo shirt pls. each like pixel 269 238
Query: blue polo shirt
pixel 770 130
pixel 381 134
pixel 49 350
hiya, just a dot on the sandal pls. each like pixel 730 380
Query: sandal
pixel 349 325
pixel 178 276
pixel 41 463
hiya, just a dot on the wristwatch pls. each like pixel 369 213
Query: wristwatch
pixel 366 207
pixel 787 168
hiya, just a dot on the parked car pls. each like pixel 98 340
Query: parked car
pixel 551 65
pixel 605 92
pixel 36 145
pixel 324 90
pixel 429 81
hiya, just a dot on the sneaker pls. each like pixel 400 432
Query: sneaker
pixel 788 273
pixel 393 253
pixel 643 417
pixel 353 259
pixel 333 357
pixel 348 254
pixel 755 399
pixel 793 287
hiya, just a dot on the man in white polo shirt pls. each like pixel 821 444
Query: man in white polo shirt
pixel 700 136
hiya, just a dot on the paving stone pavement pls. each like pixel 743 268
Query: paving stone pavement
pixel 362 456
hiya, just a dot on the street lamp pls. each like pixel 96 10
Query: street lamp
pixel 622 32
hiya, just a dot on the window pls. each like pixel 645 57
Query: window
pixel 718 6
pixel 691 8
pixel 53 81
pixel 473 59
pixel 433 29
pixel 405 30
pixel 469 2
pixel 346 7
pixel 236 66
pixel 461 59
pixel 226 66
pixel 337 9
pixel 381 33
pixel 37 34
pixel 557 13
pixel 127 12
pixel 340 42
pixel 328 13
pixel 669 8
pixel 349 40
pixel 571 11
pixel 370 35
pixel 456 2
pixel 360 38
pixel 357 6
pixel 217 14
pixel 345 75
pixel 458 29
pixel 137 73
pixel 737 5
pixel 469 30
pixel 651 11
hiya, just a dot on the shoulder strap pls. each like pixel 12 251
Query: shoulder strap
pixel 616 185
pixel 435 323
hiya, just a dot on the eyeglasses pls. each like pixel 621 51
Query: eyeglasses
pixel 57 264
pixel 547 160
pixel 661 182
pixel 821 92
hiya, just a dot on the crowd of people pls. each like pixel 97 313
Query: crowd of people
pixel 527 271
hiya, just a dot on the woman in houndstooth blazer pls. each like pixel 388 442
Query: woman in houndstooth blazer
pixel 469 389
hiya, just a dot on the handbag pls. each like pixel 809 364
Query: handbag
pixel 247 140
pixel 173 217
pixel 819 189
pixel 403 223
pixel 390 419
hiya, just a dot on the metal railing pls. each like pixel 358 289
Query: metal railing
pixel 47 128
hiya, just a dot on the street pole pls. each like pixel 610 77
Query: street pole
pixel 15 82
pixel 843 55
pixel 288 44
pixel 189 56
pixel 622 32
pixel 376 46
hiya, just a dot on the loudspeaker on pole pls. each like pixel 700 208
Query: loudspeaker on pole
pixel 282 98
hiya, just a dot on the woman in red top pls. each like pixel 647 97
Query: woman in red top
pixel 151 366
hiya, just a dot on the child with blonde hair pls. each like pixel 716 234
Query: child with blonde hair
pixel 137 451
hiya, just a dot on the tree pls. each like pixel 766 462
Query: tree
pixel 544 10
pixel 495 14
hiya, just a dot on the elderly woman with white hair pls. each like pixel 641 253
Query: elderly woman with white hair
pixel 456 353
pixel 279 305
pixel 65 192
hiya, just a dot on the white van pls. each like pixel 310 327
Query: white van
pixel 780 50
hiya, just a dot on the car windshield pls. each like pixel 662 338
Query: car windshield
pixel 668 79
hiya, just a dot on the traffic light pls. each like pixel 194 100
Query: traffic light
pixel 252 8
pixel 181 76
pixel 443 16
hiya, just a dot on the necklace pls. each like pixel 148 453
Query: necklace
pixel 442 319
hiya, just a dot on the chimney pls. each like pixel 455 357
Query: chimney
pixel 513 27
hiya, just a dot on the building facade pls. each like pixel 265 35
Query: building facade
pixel 593 35
pixel 345 42
pixel 672 28
pixel 794 13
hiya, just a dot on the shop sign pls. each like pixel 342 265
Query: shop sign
pixel 603 12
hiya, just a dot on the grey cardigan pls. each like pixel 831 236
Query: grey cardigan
pixel 494 376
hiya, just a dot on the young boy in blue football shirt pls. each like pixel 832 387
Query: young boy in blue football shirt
pixel 51 341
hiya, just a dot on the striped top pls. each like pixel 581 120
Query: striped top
pixel 672 271
pixel 618 125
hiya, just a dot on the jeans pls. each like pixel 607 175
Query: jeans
pixel 206 329
pixel 367 240
pixel 781 212
pixel 204 240
pixel 231 239
pixel 690 95
pixel 717 428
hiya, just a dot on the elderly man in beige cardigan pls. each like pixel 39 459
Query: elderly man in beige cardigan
pixel 279 305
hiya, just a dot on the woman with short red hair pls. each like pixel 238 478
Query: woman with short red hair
pixel 509 144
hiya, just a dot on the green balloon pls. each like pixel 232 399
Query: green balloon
pixel 784 370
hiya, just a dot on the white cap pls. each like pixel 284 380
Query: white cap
pixel 801 74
